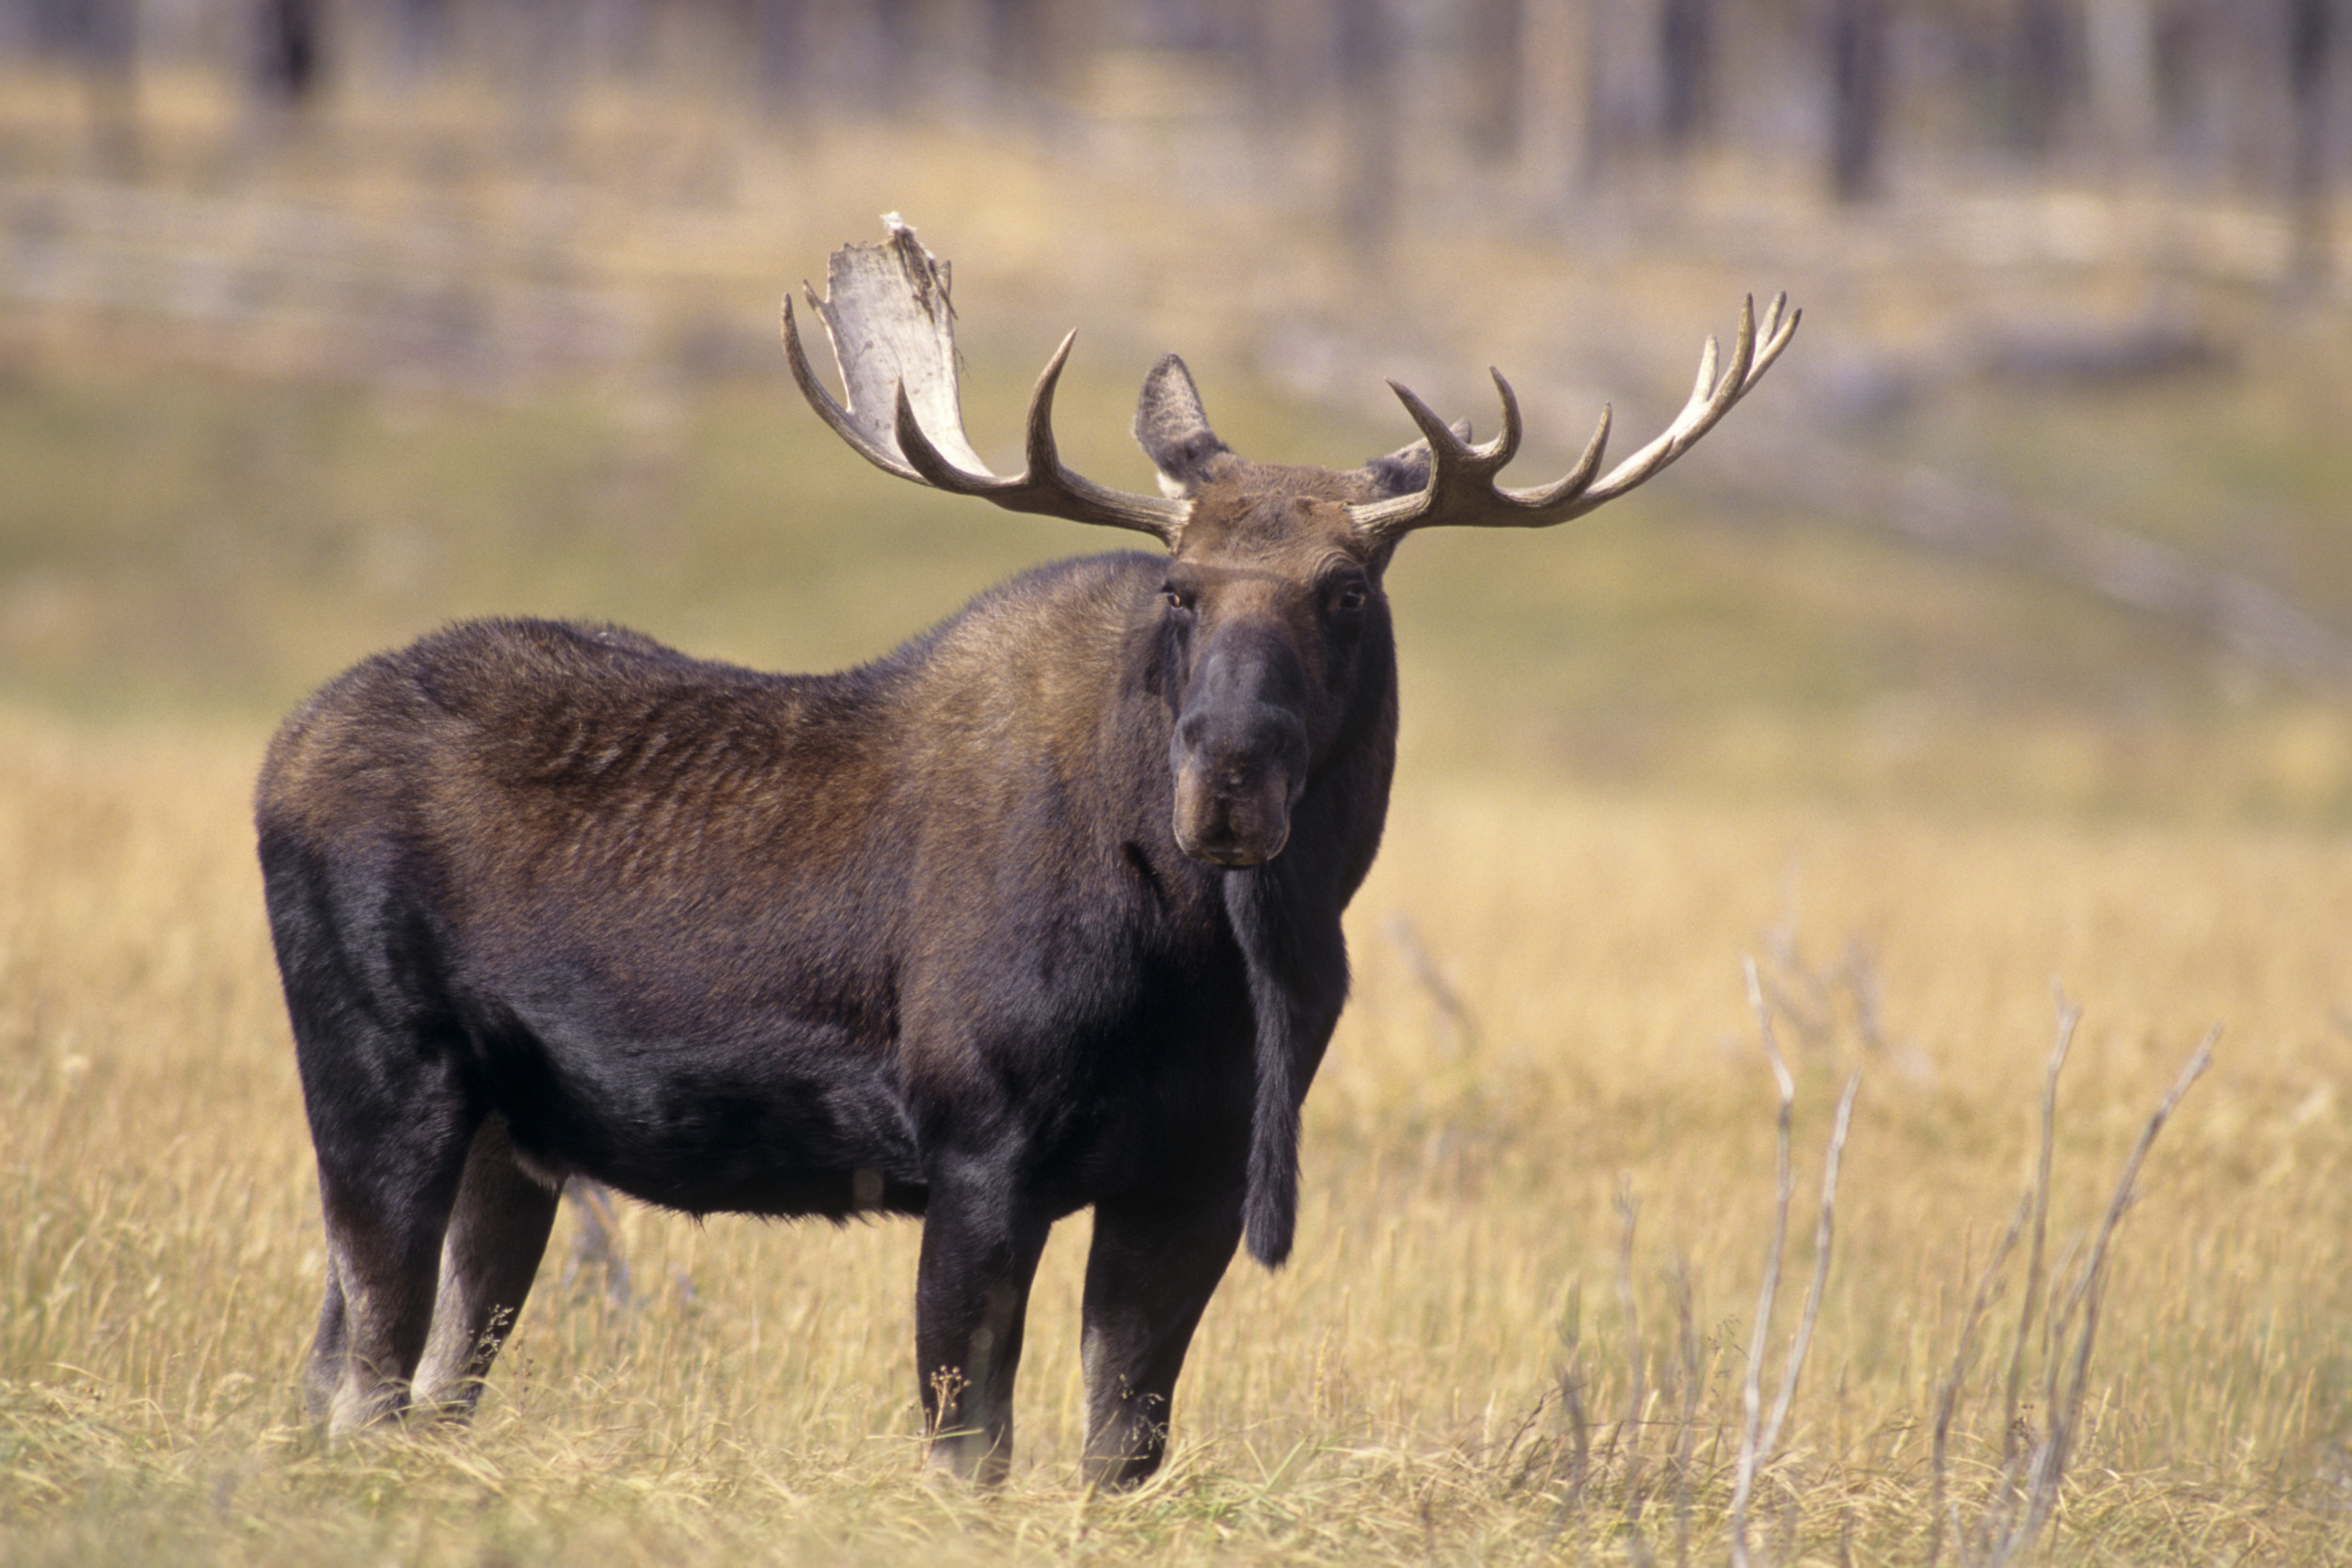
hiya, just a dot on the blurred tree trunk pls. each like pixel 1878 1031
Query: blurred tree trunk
pixel 2310 36
pixel 2120 51
pixel 780 54
pixel 1857 83
pixel 616 35
pixel 879 57
pixel 1686 58
pixel 1603 73
pixel 1554 67
pixel 1498 105
pixel 1292 69
pixel 421 37
pixel 101 39
pixel 1015 42
pixel 1367 79
pixel 1627 77
pixel 288 53
pixel 2040 57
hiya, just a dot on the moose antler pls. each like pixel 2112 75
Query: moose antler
pixel 893 330
pixel 1462 491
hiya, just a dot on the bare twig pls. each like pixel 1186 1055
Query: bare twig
pixel 1691 1369
pixel 595 1243
pixel 2068 1017
pixel 1802 996
pixel 1947 1396
pixel 2069 1374
pixel 1503 1453
pixel 1821 1236
pixel 1807 997
pixel 1862 981
pixel 1637 1392
pixel 1751 1393
pixel 1459 1019
pixel 1999 1523
pixel 1574 1426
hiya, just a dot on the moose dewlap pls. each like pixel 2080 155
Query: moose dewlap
pixel 1039 912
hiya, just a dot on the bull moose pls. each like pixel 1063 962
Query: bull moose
pixel 1039 912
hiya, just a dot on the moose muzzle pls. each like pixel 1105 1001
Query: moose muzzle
pixel 1239 753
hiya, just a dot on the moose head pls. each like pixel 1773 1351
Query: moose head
pixel 1274 569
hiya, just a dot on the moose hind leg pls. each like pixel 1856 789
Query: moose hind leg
pixel 379 1307
pixel 497 1234
pixel 389 1173
pixel 1150 1275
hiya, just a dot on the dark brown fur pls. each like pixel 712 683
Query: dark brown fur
pixel 1040 913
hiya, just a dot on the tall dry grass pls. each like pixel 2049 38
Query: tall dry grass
pixel 1541 1190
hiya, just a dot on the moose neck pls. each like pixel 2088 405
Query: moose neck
pixel 1284 914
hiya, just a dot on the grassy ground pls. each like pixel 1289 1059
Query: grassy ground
pixel 1540 1163
pixel 1398 1390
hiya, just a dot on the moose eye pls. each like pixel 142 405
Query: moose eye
pixel 1175 597
pixel 1352 598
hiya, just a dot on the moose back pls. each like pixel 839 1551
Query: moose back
pixel 1039 912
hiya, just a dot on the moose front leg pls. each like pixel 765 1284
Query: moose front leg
pixel 980 1248
pixel 1149 1277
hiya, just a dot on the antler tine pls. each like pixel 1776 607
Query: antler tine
pixel 1710 400
pixel 1045 456
pixel 1539 503
pixel 1699 415
pixel 1706 381
pixel 1451 499
pixel 1505 446
pixel 1044 486
pixel 1434 429
pixel 1460 473
pixel 892 328
pixel 1776 334
pixel 1074 496
pixel 834 416
pixel 926 463
pixel 938 471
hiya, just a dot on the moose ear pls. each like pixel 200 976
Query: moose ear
pixel 1406 470
pixel 1174 431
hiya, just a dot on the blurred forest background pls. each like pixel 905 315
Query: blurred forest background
pixel 324 321
pixel 2003 633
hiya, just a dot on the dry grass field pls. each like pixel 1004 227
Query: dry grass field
pixel 1562 1179
pixel 1926 795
